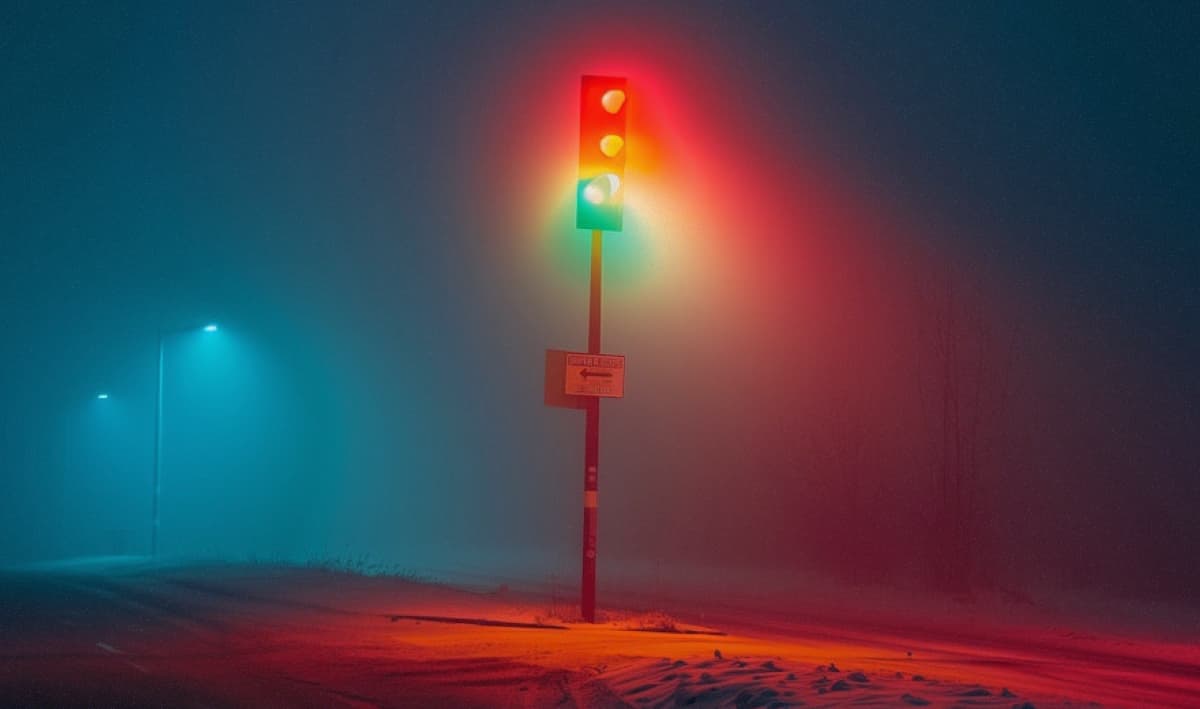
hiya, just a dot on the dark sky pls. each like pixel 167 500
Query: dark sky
pixel 370 199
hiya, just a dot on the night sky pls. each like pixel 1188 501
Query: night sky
pixel 374 201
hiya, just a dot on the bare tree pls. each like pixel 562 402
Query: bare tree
pixel 962 380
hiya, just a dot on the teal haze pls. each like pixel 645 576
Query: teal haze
pixel 294 172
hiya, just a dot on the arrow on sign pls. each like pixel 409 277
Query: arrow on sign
pixel 587 374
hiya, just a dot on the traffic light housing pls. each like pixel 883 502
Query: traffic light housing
pixel 600 194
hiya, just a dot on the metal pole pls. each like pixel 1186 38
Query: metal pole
pixel 591 445
pixel 158 407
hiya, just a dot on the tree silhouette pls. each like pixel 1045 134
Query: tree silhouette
pixel 963 381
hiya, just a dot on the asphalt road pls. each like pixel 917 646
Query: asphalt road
pixel 227 636
pixel 77 640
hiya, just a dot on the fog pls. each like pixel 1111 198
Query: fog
pixel 908 295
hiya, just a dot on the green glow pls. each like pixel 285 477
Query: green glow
pixel 599 203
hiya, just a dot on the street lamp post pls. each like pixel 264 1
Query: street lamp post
pixel 158 422
pixel 158 405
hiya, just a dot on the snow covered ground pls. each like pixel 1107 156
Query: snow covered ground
pixel 263 635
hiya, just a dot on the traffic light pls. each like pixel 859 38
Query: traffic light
pixel 600 197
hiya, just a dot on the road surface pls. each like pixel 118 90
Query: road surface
pixel 266 636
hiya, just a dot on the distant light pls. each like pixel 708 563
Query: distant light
pixel 210 328
pixel 102 396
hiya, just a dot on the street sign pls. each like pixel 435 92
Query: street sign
pixel 595 375
pixel 556 374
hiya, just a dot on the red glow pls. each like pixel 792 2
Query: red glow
pixel 600 204
pixel 746 252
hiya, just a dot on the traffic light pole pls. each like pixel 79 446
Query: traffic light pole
pixel 591 444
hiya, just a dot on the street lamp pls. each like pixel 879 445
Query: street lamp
pixel 158 417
